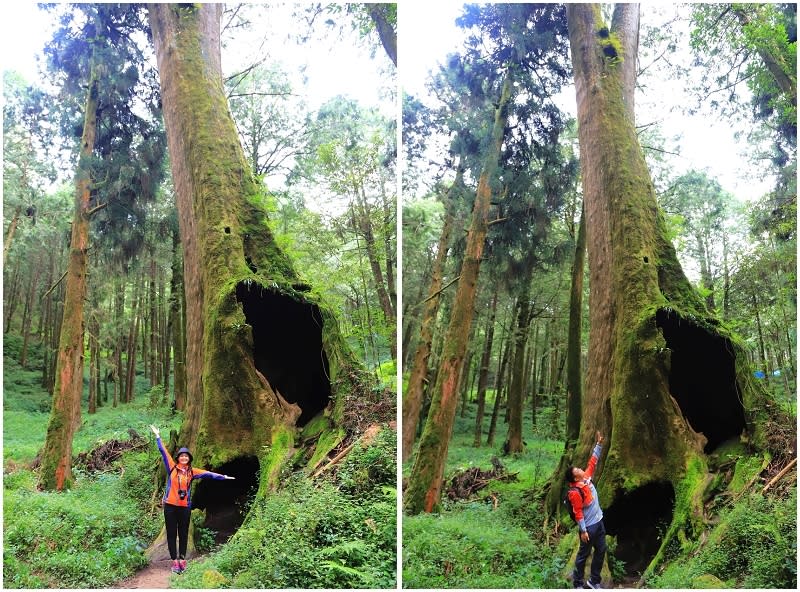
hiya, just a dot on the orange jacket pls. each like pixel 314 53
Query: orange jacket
pixel 179 479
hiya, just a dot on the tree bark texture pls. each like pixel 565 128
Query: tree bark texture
pixel 412 398
pixel 263 354
pixel 425 482
pixel 483 376
pixel 666 383
pixel 56 467
pixel 516 397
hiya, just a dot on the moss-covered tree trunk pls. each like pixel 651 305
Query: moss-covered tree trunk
pixel 56 467
pixel 665 382
pixel 412 396
pixel 425 483
pixel 263 354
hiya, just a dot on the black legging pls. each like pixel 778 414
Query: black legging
pixel 176 519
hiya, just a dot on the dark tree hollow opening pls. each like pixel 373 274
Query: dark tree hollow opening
pixel 703 379
pixel 287 347
pixel 639 519
pixel 226 503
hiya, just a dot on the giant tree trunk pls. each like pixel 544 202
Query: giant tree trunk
pixel 264 355
pixel 666 382
pixel 426 477
pixel 56 467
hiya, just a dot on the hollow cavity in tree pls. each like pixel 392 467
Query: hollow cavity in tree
pixel 287 347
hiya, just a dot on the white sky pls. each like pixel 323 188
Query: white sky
pixel 707 143
pixel 427 32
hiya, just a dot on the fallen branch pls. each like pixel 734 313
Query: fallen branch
pixel 334 460
pixel 778 477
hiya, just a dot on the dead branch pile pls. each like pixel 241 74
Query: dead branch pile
pixel 100 457
pixel 369 408
pixel 465 484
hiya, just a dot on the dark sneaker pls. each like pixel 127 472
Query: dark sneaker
pixel 593 585
pixel 578 584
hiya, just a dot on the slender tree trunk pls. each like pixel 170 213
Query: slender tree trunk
pixel 483 376
pixel 12 228
pixel 27 314
pixel 93 330
pixel 133 337
pixel 56 466
pixel 505 345
pixel 412 397
pixel 425 482
pixel 513 442
pixel 11 298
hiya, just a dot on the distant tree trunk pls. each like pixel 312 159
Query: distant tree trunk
pixel 10 298
pixel 483 376
pixel 28 313
pixel 498 387
pixel 534 367
pixel 412 397
pixel 425 483
pixel 513 442
pixel 12 228
pixel 56 465
pixel 133 336
pixel 93 327
pixel 264 355
pixel 666 383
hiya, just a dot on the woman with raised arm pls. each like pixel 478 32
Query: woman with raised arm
pixel 177 499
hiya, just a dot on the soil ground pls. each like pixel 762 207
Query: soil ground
pixel 154 576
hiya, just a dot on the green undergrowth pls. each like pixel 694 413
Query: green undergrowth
pixel 94 534
pixel 335 532
pixel 88 537
pixel 754 545
pixel 492 540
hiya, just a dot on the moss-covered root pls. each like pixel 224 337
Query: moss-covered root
pixel 276 455
pixel 687 517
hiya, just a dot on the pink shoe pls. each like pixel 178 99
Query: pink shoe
pixel 182 563
pixel 176 567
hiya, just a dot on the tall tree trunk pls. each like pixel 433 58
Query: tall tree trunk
pixel 483 376
pixel 666 383
pixel 264 355
pixel 412 397
pixel 133 336
pixel 425 482
pixel 56 466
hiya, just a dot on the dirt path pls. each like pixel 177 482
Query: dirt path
pixel 154 576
